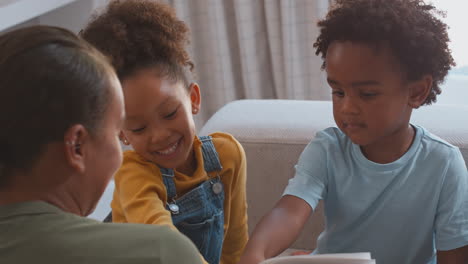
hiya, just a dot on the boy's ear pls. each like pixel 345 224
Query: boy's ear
pixel 76 145
pixel 195 98
pixel 419 91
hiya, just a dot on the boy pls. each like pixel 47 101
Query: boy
pixel 389 187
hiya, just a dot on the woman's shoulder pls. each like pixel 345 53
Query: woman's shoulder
pixel 120 240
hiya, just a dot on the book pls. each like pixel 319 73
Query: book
pixel 351 258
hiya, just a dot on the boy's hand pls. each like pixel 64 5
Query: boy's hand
pixel 455 256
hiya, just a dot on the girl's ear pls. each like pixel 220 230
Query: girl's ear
pixel 76 145
pixel 419 91
pixel 123 138
pixel 195 98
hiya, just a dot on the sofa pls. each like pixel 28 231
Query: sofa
pixel 274 133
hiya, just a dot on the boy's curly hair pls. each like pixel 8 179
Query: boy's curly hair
pixel 137 34
pixel 410 28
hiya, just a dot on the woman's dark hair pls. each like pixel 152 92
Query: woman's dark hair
pixel 139 34
pixel 410 28
pixel 49 80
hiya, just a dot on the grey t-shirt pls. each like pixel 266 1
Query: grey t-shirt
pixel 37 232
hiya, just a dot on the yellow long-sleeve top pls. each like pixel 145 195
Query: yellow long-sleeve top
pixel 140 195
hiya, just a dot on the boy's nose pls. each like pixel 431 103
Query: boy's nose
pixel 349 106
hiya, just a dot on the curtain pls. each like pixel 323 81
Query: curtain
pixel 254 49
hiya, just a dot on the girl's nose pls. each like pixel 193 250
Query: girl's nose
pixel 158 134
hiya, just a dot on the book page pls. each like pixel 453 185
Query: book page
pixel 351 258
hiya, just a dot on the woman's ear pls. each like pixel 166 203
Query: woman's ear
pixel 419 91
pixel 76 144
pixel 195 98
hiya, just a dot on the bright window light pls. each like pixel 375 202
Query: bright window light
pixel 455 90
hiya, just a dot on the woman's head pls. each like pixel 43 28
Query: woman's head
pixel 55 89
pixel 146 43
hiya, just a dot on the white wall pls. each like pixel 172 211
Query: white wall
pixel 72 16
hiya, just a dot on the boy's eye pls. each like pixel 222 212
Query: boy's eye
pixel 338 93
pixel 370 94
pixel 137 130
pixel 172 114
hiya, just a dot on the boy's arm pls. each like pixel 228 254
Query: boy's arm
pixel 455 256
pixel 277 230
pixel 451 222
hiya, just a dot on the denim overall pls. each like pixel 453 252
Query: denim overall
pixel 199 213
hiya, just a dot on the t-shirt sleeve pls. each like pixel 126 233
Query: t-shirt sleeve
pixel 451 223
pixel 310 180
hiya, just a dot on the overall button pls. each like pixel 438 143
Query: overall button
pixel 217 188
pixel 174 208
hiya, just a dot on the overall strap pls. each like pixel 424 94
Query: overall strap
pixel 210 156
pixel 168 178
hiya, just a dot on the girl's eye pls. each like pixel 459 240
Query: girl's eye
pixel 172 114
pixel 138 130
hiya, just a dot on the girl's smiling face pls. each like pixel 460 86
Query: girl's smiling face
pixel 159 118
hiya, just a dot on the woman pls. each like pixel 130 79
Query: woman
pixel 61 109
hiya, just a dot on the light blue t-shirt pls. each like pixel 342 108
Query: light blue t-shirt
pixel 401 212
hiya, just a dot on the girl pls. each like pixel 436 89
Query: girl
pixel 172 177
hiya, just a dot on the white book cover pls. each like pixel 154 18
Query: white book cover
pixel 351 258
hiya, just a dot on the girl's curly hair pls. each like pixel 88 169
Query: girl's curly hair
pixel 137 34
pixel 410 28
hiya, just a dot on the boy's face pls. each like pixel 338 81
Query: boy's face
pixel 370 95
pixel 159 122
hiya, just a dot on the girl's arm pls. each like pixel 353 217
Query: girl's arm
pixel 139 195
pixel 236 235
pixel 277 230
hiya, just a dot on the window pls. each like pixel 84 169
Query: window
pixel 455 89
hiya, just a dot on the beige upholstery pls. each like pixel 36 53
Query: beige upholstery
pixel 274 133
